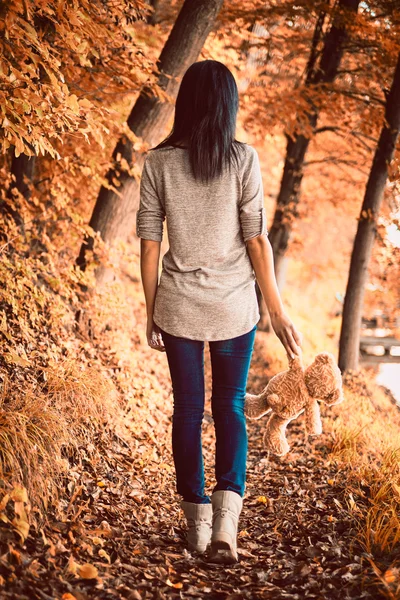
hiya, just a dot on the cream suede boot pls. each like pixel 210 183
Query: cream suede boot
pixel 227 507
pixel 199 520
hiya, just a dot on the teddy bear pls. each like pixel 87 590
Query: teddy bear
pixel 292 392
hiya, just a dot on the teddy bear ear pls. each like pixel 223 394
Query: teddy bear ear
pixel 323 357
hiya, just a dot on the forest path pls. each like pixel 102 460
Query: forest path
pixel 124 520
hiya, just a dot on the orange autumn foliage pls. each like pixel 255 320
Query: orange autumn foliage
pixel 61 66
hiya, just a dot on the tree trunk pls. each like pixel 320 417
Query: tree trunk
pixel 114 213
pixel 323 73
pixel 23 169
pixel 353 302
pixel 153 18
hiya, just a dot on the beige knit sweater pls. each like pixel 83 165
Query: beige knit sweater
pixel 207 284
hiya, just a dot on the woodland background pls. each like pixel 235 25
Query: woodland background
pixel 87 506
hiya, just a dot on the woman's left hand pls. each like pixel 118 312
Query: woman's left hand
pixel 153 334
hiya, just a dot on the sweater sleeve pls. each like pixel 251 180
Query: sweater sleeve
pixel 253 217
pixel 151 214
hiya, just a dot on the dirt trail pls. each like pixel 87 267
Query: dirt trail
pixel 123 517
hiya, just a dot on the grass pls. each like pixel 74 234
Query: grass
pixel 38 427
pixel 32 434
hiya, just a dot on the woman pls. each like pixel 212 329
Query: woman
pixel 208 186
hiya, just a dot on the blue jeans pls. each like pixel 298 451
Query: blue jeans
pixel 230 362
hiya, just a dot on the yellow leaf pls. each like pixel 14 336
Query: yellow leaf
pixel 88 571
pixel 11 356
pixel 85 103
pixel 104 554
pixel 97 541
pixel 4 501
pixel 72 567
pixel 68 596
pixel 178 585
pixel 262 499
pixel 82 46
pixel 72 102
pixel 391 575
pixel 20 520
pixel 19 493
pixel 165 466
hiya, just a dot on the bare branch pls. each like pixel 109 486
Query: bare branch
pixel 365 98
pixel 337 161
pixel 327 128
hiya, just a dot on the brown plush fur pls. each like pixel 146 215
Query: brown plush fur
pixel 292 392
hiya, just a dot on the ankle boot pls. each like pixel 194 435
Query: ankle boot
pixel 227 507
pixel 199 520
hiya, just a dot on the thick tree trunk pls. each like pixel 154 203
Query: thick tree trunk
pixel 114 213
pixel 323 73
pixel 353 302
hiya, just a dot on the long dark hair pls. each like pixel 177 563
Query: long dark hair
pixel 205 117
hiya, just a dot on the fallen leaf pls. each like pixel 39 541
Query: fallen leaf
pixel 72 566
pixel 4 501
pixel 88 571
pixel 19 493
pixel 97 541
pixel 104 554
pixel 20 520
pixel 178 585
pixel 391 575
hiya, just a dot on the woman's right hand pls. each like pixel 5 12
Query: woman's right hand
pixel 154 337
pixel 290 337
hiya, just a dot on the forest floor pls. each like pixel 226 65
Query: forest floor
pixel 119 531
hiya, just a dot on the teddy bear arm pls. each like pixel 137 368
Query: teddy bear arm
pixel 256 406
pixel 313 417
pixel 274 401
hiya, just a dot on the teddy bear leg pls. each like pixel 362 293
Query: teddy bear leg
pixel 313 418
pixel 275 435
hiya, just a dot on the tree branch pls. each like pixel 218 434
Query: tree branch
pixel 327 128
pixel 336 161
